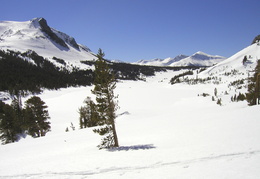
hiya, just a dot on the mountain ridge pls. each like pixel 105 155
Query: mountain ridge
pixel 48 42
pixel 197 59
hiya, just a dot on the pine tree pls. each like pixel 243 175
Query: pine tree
pixel 36 117
pixel 18 117
pixel 253 94
pixel 106 102
pixel 215 92
pixel 219 102
pixel 8 125
pixel 88 115
pixel 244 60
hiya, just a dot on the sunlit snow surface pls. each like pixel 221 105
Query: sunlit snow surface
pixel 23 36
pixel 165 131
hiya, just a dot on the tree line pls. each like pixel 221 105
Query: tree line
pixel 17 122
pixel 16 73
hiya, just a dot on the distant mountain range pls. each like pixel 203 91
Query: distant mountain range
pixel 197 59
pixel 48 42
pixel 63 50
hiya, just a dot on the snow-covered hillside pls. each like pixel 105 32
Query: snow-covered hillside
pixel 161 62
pixel 36 35
pixel 166 131
pixel 197 59
pixel 235 62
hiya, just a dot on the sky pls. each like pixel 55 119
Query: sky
pixel 131 30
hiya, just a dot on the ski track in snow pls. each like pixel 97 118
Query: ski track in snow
pixel 120 171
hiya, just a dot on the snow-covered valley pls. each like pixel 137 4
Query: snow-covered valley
pixel 166 128
pixel 165 131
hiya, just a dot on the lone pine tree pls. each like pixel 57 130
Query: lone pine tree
pixel 104 85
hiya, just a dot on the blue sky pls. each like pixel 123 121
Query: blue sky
pixel 130 30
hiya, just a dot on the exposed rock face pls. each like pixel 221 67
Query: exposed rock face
pixel 256 39
pixel 46 29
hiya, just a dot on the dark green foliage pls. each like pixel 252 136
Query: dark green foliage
pixel 61 61
pixel 106 102
pixel 88 114
pixel 127 71
pixel 256 39
pixel 16 121
pixel 241 97
pixel 17 74
pixel 31 76
pixel 215 92
pixel 237 83
pixel 72 126
pixel 36 117
pixel 133 72
pixel 9 130
pixel 11 121
pixel 108 141
pixel 244 60
pixel 219 101
pixel 254 87
pixel 205 94
pixel 176 79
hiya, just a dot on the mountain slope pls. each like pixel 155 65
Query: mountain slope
pixel 167 131
pixel 161 62
pixel 197 59
pixel 235 62
pixel 36 35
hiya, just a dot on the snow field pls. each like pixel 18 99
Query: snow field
pixel 165 131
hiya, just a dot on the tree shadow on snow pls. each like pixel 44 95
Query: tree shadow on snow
pixel 134 147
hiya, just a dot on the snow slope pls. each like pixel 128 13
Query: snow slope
pixel 235 62
pixel 165 131
pixel 197 59
pixel 36 35
pixel 161 62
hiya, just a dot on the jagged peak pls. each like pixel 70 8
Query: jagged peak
pixel 36 22
pixel 57 36
pixel 37 19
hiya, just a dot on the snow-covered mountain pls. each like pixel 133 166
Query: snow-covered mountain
pixel 48 42
pixel 197 59
pixel 161 62
pixel 235 62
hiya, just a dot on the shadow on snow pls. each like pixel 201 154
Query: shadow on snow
pixel 134 147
